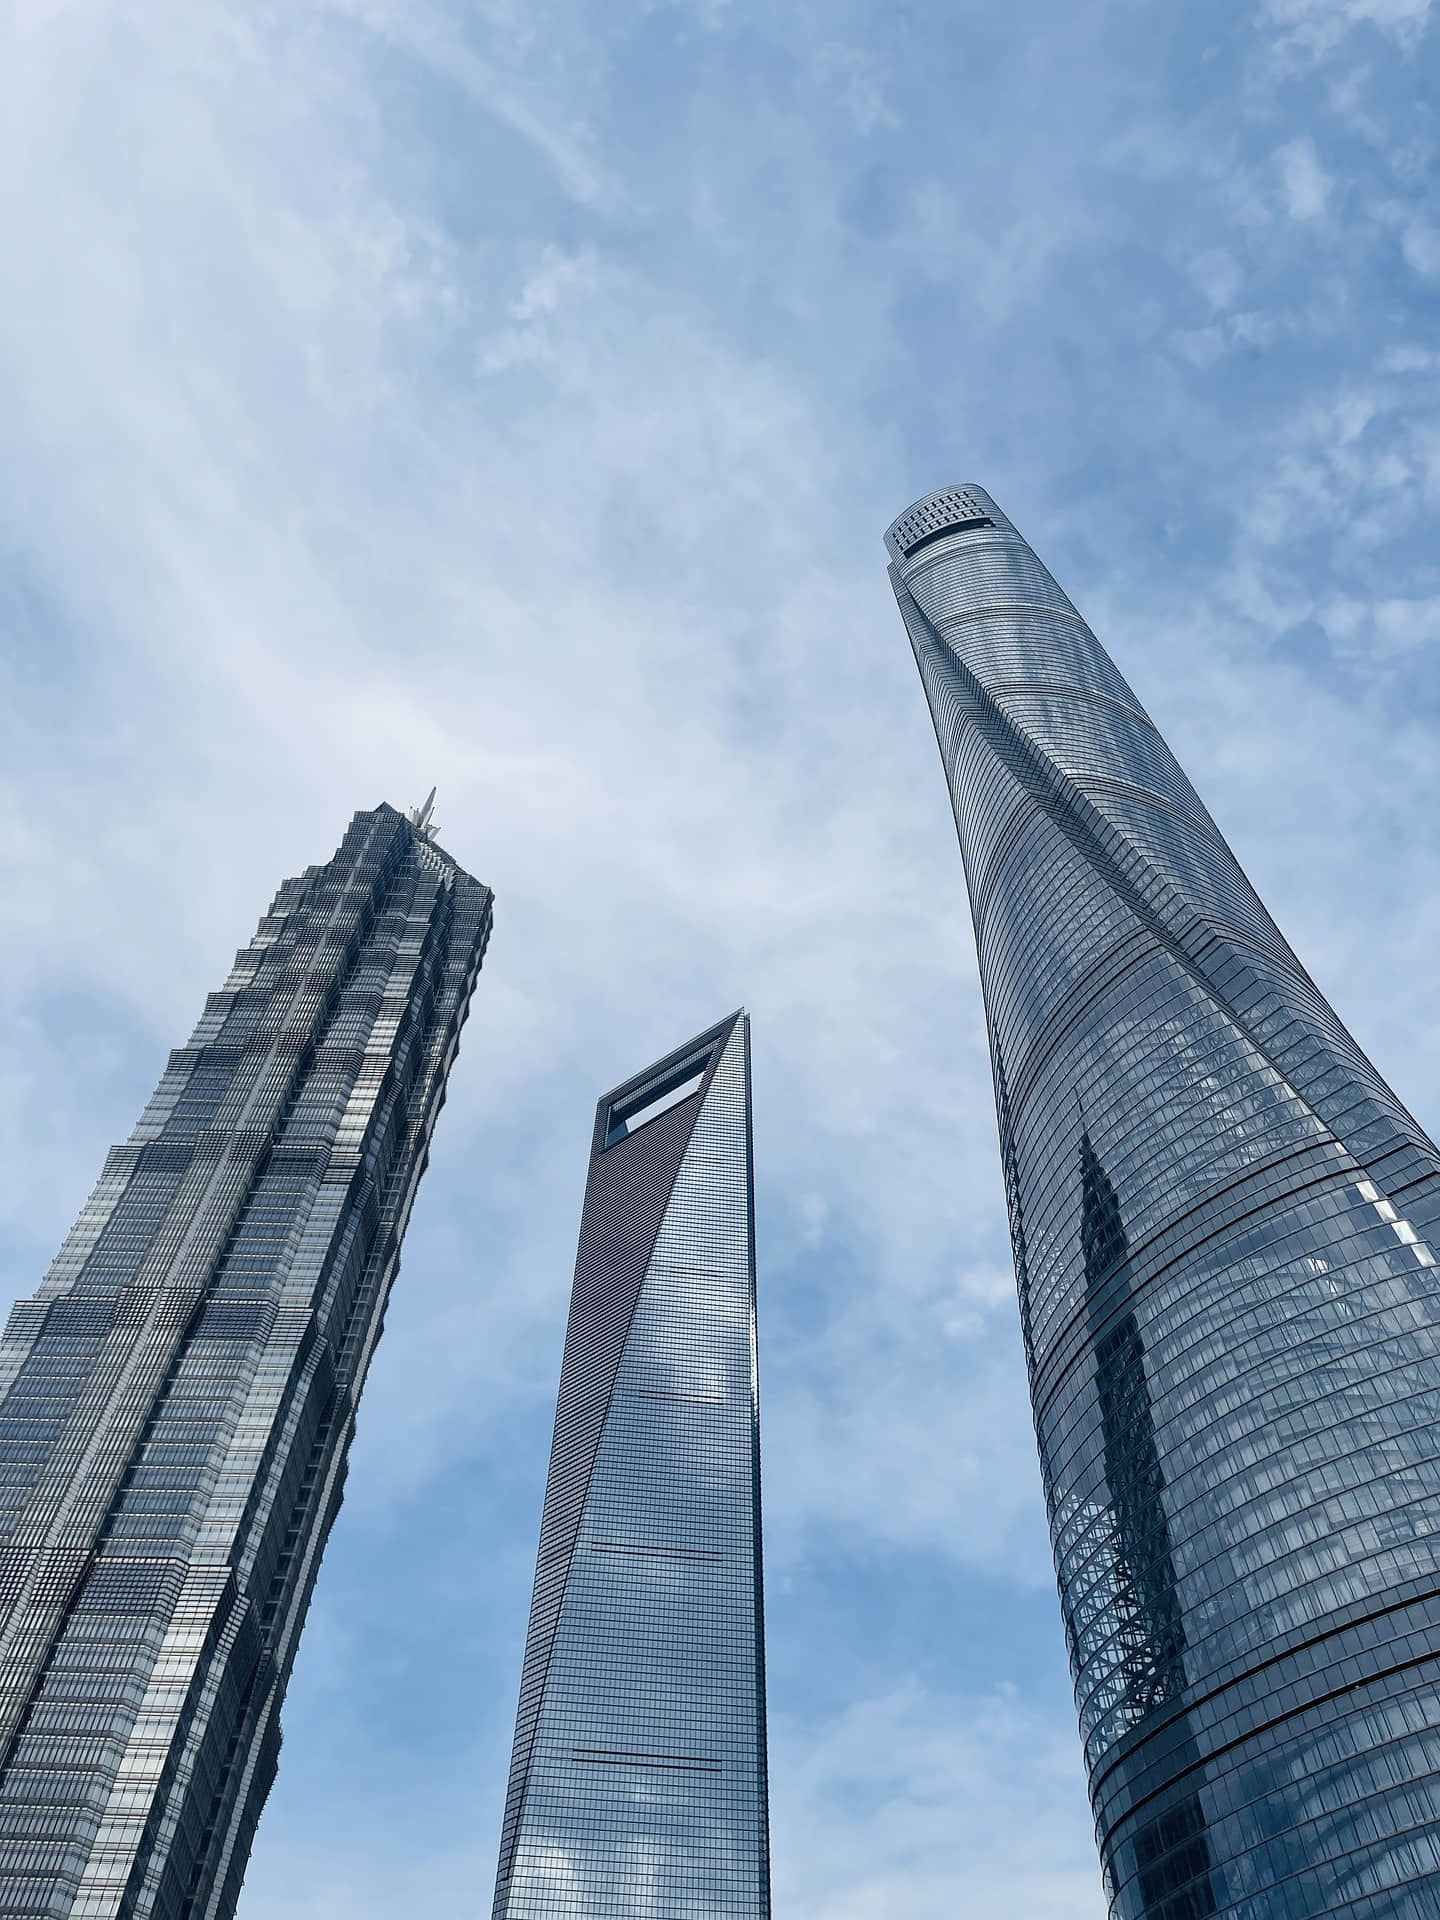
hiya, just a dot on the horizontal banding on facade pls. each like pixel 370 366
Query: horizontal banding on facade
pixel 1225 1235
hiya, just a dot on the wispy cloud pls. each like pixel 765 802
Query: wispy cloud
pixel 443 45
pixel 904 1799
pixel 1305 182
pixel 514 397
pixel 1320 24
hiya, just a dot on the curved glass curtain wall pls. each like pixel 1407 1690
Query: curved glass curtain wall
pixel 1223 1223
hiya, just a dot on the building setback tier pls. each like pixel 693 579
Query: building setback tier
pixel 177 1400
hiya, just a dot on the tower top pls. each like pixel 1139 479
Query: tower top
pixel 964 508
pixel 420 817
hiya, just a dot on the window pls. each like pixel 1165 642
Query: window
pixel 943 533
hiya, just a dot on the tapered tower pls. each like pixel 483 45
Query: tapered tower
pixel 638 1781
pixel 1223 1222
pixel 177 1400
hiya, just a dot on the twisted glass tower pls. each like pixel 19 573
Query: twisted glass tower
pixel 177 1400
pixel 638 1785
pixel 1223 1225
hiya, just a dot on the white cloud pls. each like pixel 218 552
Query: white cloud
pixel 1320 24
pixel 514 397
pixel 982 1791
pixel 1219 276
pixel 1201 346
pixel 856 79
pixel 527 337
pixel 1420 244
pixel 441 44
pixel 1305 183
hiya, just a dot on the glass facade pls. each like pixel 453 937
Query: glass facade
pixel 1223 1223
pixel 177 1400
pixel 638 1784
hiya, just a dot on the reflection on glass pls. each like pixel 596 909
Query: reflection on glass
pixel 1146 1650
pixel 637 1782
pixel 1237 1388
pixel 1150 1637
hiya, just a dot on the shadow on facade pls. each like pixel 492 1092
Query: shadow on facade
pixel 1163 1867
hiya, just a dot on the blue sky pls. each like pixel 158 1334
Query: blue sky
pixel 513 397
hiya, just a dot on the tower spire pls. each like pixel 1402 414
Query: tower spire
pixel 421 817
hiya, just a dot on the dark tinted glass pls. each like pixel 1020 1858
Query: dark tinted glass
pixel 1223 1224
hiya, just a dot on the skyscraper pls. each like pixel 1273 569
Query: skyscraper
pixel 1223 1225
pixel 177 1400
pixel 637 1783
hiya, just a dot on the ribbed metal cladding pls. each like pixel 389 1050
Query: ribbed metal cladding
pixel 638 1782
pixel 1223 1223
pixel 177 1400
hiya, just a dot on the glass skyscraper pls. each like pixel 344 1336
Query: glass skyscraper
pixel 637 1785
pixel 1223 1225
pixel 177 1400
